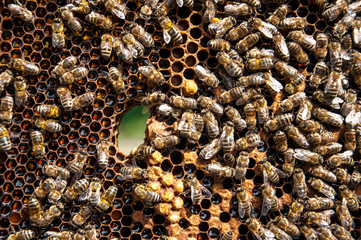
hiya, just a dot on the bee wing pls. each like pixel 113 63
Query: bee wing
pixel 179 3
pixel 212 152
pixel 345 154
pixel 301 154
pixel 284 235
pixel 257 144
pixel 280 173
pixel 85 195
pixel 125 177
pixel 266 206
pixel 53 234
pixel 257 236
pixel 93 235
pixel 353 118
pixel 120 13
pixel 166 36
pixel 133 51
pixel 327 193
pixel 266 32
pixel 356 34
pixel 269 235
pixel 192 193
pixel 304 113
pixel 212 12
pixel 300 190
pixel 205 191
pixel 309 40
pixel 241 210
pixel 182 124
pixel 274 84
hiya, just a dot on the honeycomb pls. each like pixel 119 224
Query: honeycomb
pixel 129 218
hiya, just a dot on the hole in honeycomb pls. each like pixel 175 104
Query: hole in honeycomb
pixel 176 81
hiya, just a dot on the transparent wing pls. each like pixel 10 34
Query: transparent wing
pixel 280 173
pixel 356 33
pixel 302 154
pixel 85 195
pixel 241 210
pixel 179 3
pixel 192 193
pixel 327 193
pixel 53 234
pixel 257 144
pixel 257 236
pixel 166 36
pixel 266 206
pixel 309 40
pixel 274 84
pixel 269 234
pixel 206 192
pixel 353 118
pixel 212 12
pixel 133 51
pixel 182 124
pixel 304 113
pixel 266 32
pixel 345 154
pixel 120 13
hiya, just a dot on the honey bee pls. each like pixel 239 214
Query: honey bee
pixel 295 211
pixel 319 74
pixel 259 64
pixel 211 124
pixel 279 233
pixel 322 187
pixel 351 198
pixel 350 102
pixel 47 110
pixel 234 115
pixel 148 8
pixel 267 29
pixel 334 10
pixel 80 6
pixel 350 139
pixel 219 44
pixel 99 20
pixel 152 75
pixel 66 64
pixel 106 45
pixel 344 159
pixel 242 162
pixel 117 9
pixel 69 17
pixel 6 78
pixel 24 66
pixel 65 98
pixel 299 183
pixel 93 192
pixel 141 35
pixel 237 9
pixel 218 170
pixel 210 149
pixel 166 142
pixel 122 52
pixel 52 170
pixel 166 110
pixel 210 104
pixel 185 125
pixel 63 235
pixel 44 188
pixel 323 98
pixel 298 53
pixel 270 201
pixel 170 30
pixel 210 10
pixel 76 165
pixel 332 148
pixel 293 23
pixel 58 36
pixel 344 215
pixel 226 236
pixel 319 203
pixel 229 159
pixel 77 188
pixel 356 31
pixel 278 15
pixel 320 172
pixel 345 23
pixel 273 86
pixel 22 235
pixel 253 3
pixel 340 232
pixel 79 235
pixel 249 141
pixel 285 70
pixel 333 86
pixel 328 117
pixel 290 228
pixel 37 139
pixel 56 193
pixel 335 53
pixel 83 100
pixel 308 232
pixel 219 27
pixel 73 75
pixel 206 76
pixel 232 68
pixel 271 172
pixel 280 140
pixel 35 209
pixel 292 101
pixel 289 162
pixel 280 46
pixel 295 83
pixel 227 137
pixel 321 51
pixel 238 32
pixel 321 219
pixel 6 109
pixel 5 143
pixel 245 96
pixel 134 46
pixel 199 125
pixel 103 154
pixel 325 233
pixel 107 198
pixel 304 40
pixel 91 232
pixel 48 125
pixel 244 199
pixel 258 230
pixel 115 77
pixel 196 189
pixel 296 136
pixel 142 151
pixel 133 172
pixel 250 112
pixel 146 194
pixel 308 156
pixel 153 99
pixel 21 92
pixel 342 176
pixel 51 214
pixel 80 217
pixel 21 12
pixel 279 122
pixel 247 42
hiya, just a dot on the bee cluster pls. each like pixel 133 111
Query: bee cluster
pixel 255 128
